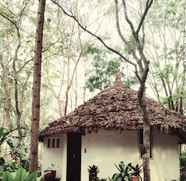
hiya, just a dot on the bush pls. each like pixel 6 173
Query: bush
pixel 10 166
pixel 125 172
pixel 20 175
pixel 183 166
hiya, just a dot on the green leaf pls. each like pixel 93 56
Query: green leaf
pixel 21 174
pixel 31 177
pixel 7 177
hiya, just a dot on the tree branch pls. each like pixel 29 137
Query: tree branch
pixel 118 24
pixel 128 20
pixel 147 7
pixel 118 27
pixel 135 33
pixel 94 35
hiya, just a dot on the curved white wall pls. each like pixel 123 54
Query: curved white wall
pixel 165 162
pixel 55 157
pixel 107 148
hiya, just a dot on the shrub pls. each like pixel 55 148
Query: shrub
pixel 183 166
pixel 125 172
pixel 10 166
pixel 20 175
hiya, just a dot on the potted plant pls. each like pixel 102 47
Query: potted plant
pixel 134 178
pixel 127 172
pixel 93 173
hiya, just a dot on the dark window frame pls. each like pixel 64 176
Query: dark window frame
pixel 57 142
pixel 53 142
pixel 48 143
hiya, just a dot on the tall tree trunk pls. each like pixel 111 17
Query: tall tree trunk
pixel 37 87
pixel 146 155
pixel 76 89
pixel 146 124
pixel 70 81
pixel 68 87
pixel 7 104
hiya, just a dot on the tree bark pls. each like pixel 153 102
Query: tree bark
pixel 146 155
pixel 70 82
pixel 146 124
pixel 7 103
pixel 36 87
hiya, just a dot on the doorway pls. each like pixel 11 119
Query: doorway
pixel 74 157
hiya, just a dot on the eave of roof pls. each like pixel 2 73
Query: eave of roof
pixel 114 108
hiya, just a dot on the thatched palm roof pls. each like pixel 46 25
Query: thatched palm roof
pixel 114 108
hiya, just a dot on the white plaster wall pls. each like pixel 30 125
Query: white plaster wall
pixel 106 148
pixel 56 157
pixel 165 160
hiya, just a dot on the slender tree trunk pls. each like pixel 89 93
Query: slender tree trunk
pixel 17 106
pixel 146 139
pixel 7 103
pixel 37 87
pixel 7 100
pixel 146 155
pixel 66 100
pixel 70 81
pixel 76 89
pixel 68 88
pixel 146 124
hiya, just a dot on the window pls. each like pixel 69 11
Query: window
pixel 57 143
pixel 48 143
pixel 53 143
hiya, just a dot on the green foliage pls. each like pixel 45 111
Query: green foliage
pixel 172 11
pixel 17 152
pixel 3 135
pixel 93 173
pixel 125 172
pixel 13 165
pixel 104 67
pixel 10 166
pixel 183 160
pixel 92 50
pixel 130 81
pixel 183 166
pixel 20 175
pixel 169 76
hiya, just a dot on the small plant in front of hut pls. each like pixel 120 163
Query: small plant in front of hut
pixel 123 173
pixel 183 166
pixel 126 172
pixel 93 173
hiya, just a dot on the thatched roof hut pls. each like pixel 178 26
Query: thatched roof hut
pixel 110 124
pixel 115 108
